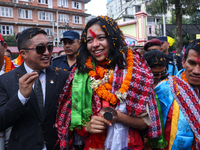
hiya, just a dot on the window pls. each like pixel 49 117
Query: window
pixel 123 2
pixel 76 5
pixel 6 11
pixel 6 30
pixel 60 32
pixel 63 18
pixel 47 16
pixel 63 3
pixel 77 19
pixel 22 28
pixel 137 8
pixel 49 31
pixel 24 13
pixel 43 1
pixel 111 8
pixel 149 30
pixel 150 20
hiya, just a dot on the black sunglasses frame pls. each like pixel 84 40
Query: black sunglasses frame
pixel 41 48
pixel 163 73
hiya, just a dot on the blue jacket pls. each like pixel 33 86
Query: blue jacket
pixel 62 63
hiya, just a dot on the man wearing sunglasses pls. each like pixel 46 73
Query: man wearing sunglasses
pixel 70 45
pixel 179 104
pixel 29 94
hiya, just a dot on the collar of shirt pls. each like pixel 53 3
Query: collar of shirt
pixel 2 72
pixel 3 67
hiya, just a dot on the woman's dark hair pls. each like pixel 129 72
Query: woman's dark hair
pixel 195 45
pixel 156 58
pixel 115 39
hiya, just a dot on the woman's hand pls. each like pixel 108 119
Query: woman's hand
pixel 135 122
pixel 97 124
pixel 119 115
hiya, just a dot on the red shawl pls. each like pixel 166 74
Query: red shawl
pixel 139 94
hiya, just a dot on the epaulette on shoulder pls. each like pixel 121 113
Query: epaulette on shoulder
pixel 59 57
pixel 178 54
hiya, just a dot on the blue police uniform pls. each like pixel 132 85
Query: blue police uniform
pixel 62 63
pixel 176 58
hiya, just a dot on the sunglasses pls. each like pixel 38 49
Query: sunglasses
pixel 41 48
pixel 157 74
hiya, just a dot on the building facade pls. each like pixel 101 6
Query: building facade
pixel 125 10
pixel 54 16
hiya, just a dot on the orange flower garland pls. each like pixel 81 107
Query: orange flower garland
pixel 184 77
pixel 102 89
pixel 8 64
pixel 18 60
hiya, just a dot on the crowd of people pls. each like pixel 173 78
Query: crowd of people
pixel 100 94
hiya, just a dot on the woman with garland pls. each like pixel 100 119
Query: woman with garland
pixel 108 76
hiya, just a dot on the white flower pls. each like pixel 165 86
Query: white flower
pixel 95 83
pixel 120 96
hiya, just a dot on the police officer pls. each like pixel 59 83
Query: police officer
pixel 70 42
pixel 157 44
pixel 173 57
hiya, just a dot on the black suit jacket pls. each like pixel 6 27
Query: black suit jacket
pixel 30 128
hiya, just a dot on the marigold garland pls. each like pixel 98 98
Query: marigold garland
pixel 18 60
pixel 184 77
pixel 103 89
pixel 8 64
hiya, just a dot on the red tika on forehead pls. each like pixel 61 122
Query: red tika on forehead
pixel 93 34
pixel 198 60
pixel 1 38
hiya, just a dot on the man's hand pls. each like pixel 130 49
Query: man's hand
pixel 26 82
pixel 97 125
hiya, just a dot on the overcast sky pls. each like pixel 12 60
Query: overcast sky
pixel 96 7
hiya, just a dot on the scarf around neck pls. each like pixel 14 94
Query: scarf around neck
pixel 139 94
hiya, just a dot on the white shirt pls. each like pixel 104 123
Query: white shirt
pixel 42 78
pixel 2 71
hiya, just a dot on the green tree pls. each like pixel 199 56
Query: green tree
pixel 181 7
pixel 173 19
pixel 194 19
pixel 10 40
